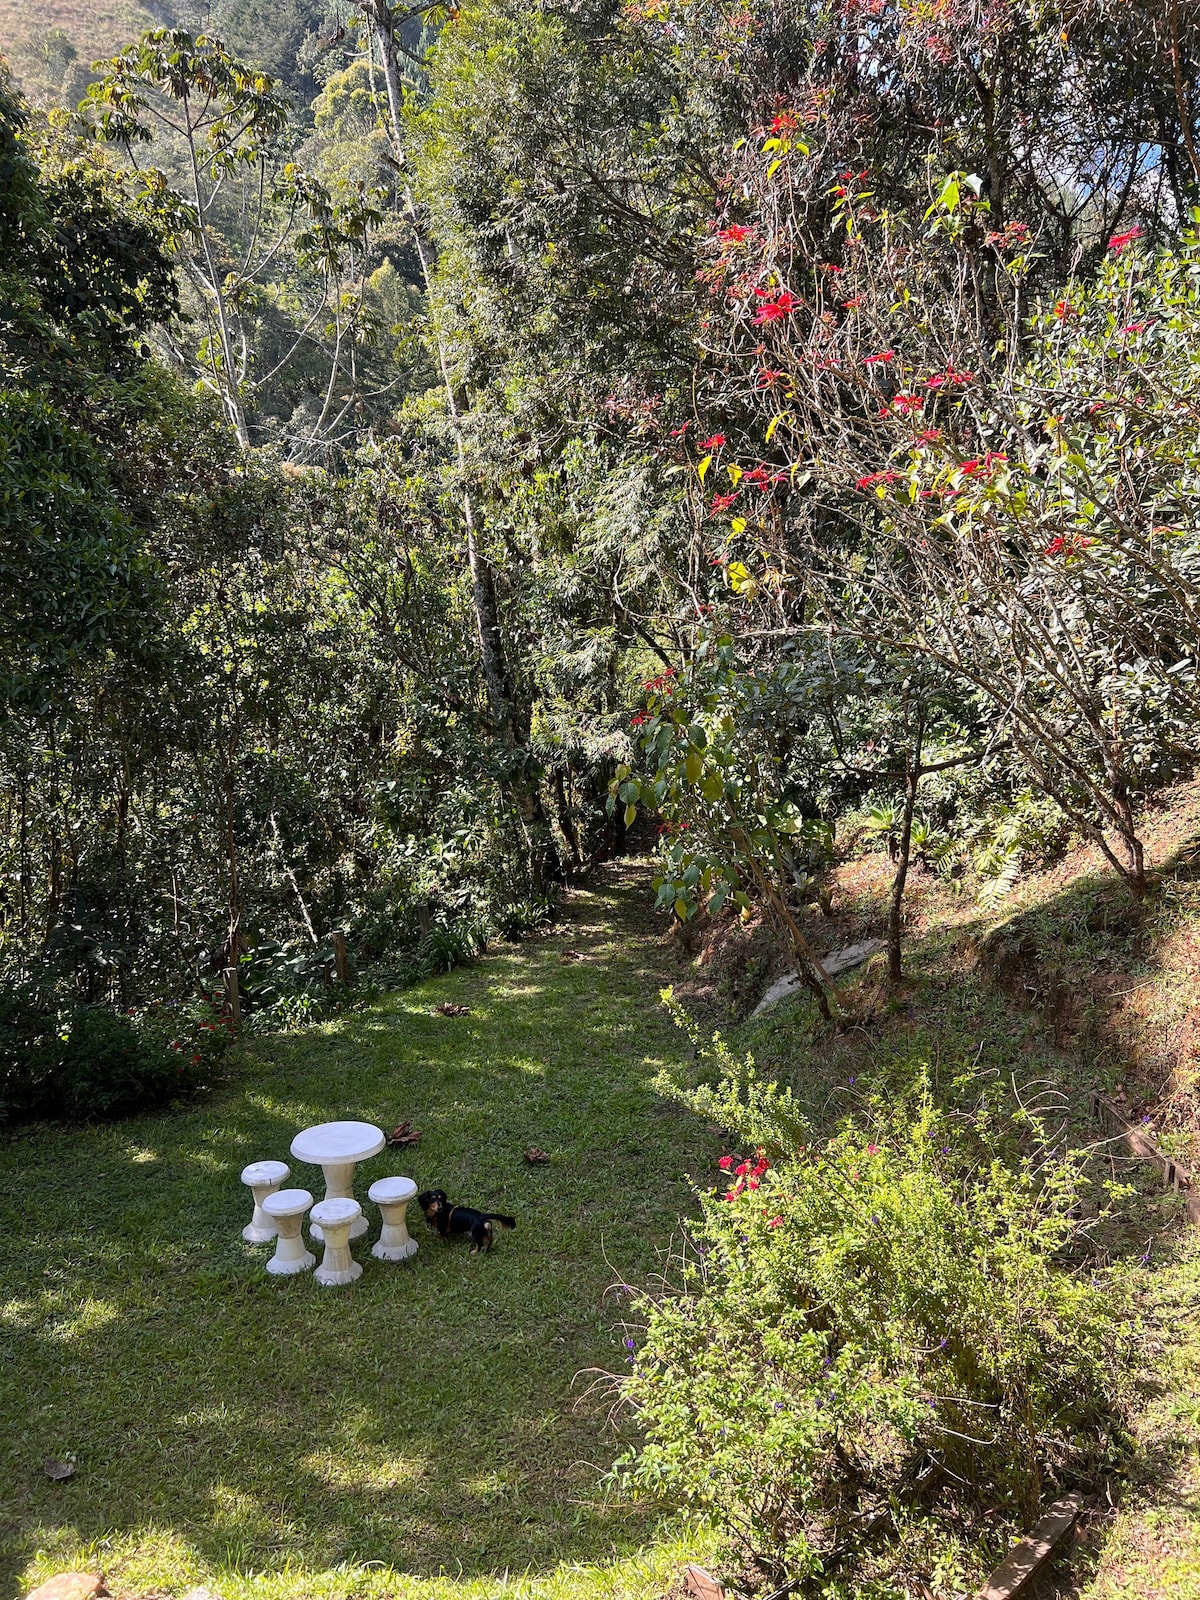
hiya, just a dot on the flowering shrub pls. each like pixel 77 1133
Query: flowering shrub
pixel 89 1061
pixel 875 1339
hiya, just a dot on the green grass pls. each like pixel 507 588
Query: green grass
pixel 423 1432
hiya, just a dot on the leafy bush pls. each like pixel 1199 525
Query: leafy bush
pixel 89 1061
pixel 875 1338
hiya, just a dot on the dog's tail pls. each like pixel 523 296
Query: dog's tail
pixel 498 1216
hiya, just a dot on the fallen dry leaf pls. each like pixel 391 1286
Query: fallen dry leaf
pixel 404 1133
pixel 570 955
pixel 59 1469
pixel 447 1008
pixel 536 1157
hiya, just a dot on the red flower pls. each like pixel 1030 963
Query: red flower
pixel 769 376
pixel 884 356
pixel 636 721
pixel 1120 240
pixel 873 478
pixel 785 122
pixel 851 305
pixel 678 433
pixel 743 1169
pixel 930 436
pixel 775 310
pixel 735 234
pixel 725 1163
pixel 1056 544
pixel 713 442
pixel 1064 309
pixel 721 502
pixel 907 402
pixel 1135 327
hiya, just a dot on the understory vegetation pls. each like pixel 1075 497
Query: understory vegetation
pixel 446 448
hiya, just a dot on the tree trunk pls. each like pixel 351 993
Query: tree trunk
pixel 502 701
pixel 912 779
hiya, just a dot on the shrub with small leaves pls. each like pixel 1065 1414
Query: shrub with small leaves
pixel 875 1333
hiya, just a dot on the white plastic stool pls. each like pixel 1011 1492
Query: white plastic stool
pixel 286 1208
pixel 262 1178
pixel 392 1195
pixel 336 1218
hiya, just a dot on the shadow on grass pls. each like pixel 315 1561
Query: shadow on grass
pixel 427 1417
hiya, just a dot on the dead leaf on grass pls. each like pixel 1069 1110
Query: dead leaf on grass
pixel 571 955
pixel 404 1133
pixel 536 1157
pixel 59 1469
pixel 447 1008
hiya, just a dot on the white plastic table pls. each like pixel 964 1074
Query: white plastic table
pixel 337 1147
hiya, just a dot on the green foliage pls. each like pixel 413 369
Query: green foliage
pixel 86 1061
pixel 874 1337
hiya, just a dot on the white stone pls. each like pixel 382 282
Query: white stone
pixel 262 1178
pixel 336 1147
pixel 838 961
pixel 286 1208
pixel 392 1195
pixel 336 1218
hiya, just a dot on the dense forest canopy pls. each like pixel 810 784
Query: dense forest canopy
pixel 436 435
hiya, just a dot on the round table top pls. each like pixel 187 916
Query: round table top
pixel 391 1189
pixel 286 1202
pixel 337 1141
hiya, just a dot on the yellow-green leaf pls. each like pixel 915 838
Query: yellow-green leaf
pixel 703 468
pixel 630 816
pixel 693 766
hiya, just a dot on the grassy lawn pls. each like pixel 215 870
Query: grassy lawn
pixel 423 1432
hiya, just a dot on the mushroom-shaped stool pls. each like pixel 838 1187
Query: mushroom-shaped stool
pixel 262 1178
pixel 286 1208
pixel 392 1195
pixel 336 1218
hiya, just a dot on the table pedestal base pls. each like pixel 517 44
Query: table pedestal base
pixel 339 1185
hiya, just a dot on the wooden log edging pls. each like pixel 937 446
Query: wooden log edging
pixel 1027 1557
pixel 1175 1175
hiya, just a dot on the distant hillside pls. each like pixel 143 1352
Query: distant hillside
pixel 94 27
pixel 51 44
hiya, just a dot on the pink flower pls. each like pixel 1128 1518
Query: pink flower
pixel 678 433
pixel 725 1163
pixel 775 1222
pixel 1135 327
pixel 949 376
pixel 872 1149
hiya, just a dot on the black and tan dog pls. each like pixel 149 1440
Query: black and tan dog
pixel 450 1220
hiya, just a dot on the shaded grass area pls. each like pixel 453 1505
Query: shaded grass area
pixel 433 1418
